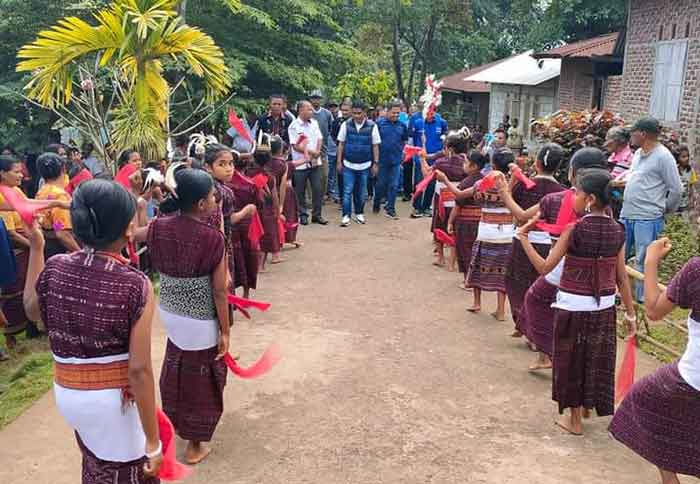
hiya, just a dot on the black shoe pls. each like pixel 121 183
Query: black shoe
pixel 304 219
pixel 319 221
pixel 406 198
pixel 375 209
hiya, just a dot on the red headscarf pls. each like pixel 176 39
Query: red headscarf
pixel 123 175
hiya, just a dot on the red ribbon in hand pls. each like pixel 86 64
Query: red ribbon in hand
pixel 235 122
pixel 410 151
pixel 420 187
pixel 625 376
pixel 565 218
pixel 256 230
pixel 244 303
pixel 520 176
pixel 260 180
pixel 133 256
pixel 281 232
pixel 170 468
pixel 488 182
pixel 22 206
pixel 444 238
pixel 264 364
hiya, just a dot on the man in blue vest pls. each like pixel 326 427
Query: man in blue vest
pixel 394 135
pixel 358 152
pixel 427 133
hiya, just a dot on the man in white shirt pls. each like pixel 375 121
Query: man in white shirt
pixel 306 140
pixel 358 152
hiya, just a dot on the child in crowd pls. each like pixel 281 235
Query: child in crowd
pixel 688 179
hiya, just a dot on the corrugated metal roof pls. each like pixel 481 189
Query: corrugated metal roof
pixel 520 69
pixel 458 82
pixel 603 45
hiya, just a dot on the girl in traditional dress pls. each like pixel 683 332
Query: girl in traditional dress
pixel 660 417
pixel 11 296
pixel 190 256
pixel 521 275
pixel 464 219
pixel 585 340
pixel 487 268
pixel 98 312
pixel 56 222
pixel 270 212
pixel 536 317
pixel 452 169
pixel 218 160
pixel 246 265
pixel 290 205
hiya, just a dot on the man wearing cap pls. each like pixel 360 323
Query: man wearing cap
pixel 324 118
pixel 653 188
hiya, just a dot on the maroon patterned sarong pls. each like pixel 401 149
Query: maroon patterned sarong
pixel 520 276
pixel 97 471
pixel 660 420
pixel 11 297
pixel 466 227
pixel 487 269
pixel 191 387
pixel 585 344
pixel 536 320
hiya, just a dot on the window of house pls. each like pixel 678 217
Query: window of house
pixel 669 72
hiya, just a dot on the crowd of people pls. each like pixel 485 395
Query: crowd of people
pixel 207 221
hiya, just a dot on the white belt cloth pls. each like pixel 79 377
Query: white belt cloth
pixel 190 334
pixel 539 237
pixel 494 233
pixel 554 277
pixel 689 365
pixel 111 431
pixel 575 302
pixel 439 187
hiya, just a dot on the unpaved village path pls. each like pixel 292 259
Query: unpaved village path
pixel 385 379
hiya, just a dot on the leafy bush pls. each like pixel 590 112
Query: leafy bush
pixel 685 246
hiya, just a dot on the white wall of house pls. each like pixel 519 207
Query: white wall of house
pixel 523 103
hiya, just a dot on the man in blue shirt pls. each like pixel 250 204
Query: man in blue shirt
pixel 394 135
pixel 427 133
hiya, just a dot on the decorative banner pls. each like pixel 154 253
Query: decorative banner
pixel 264 364
pixel 625 376
pixel 170 468
pixel 444 238
pixel 410 151
pixel 235 122
pixel 256 230
pixel 520 176
pixel 420 187
pixel 23 206
pixel 244 303
pixel 432 97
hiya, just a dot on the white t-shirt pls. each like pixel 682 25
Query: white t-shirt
pixel 311 132
pixel 343 134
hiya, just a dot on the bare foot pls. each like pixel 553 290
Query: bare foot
pixel 474 309
pixel 196 452
pixel 298 245
pixel 539 365
pixel 278 260
pixel 532 347
pixel 516 334
pixel 452 269
pixel 439 262
pixel 586 413
pixel 498 317
pixel 565 423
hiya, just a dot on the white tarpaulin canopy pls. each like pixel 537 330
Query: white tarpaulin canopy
pixel 520 69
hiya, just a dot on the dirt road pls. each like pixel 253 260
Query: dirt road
pixel 385 379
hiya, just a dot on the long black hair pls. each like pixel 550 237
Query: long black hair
pixel 550 156
pixel 501 159
pixel 213 151
pixel 192 186
pixel 124 157
pixel 101 211
pixel 50 166
pixel 596 181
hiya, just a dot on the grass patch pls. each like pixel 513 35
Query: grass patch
pixel 25 378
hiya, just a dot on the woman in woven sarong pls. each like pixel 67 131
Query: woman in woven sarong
pixel 270 211
pixel 98 312
pixel 487 268
pixel 11 292
pixel 283 171
pixel 521 275
pixel 585 340
pixel 56 222
pixel 245 254
pixel 660 417
pixel 463 221
pixel 190 256
pixel 536 318
pixel 451 166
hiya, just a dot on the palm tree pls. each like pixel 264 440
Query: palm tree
pixel 131 40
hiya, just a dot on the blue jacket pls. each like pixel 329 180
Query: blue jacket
pixel 433 130
pixel 394 137
pixel 358 144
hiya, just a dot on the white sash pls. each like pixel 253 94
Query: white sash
pixel 190 334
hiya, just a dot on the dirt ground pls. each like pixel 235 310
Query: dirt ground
pixel 385 379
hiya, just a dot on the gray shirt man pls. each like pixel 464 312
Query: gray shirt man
pixel 324 118
pixel 654 186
